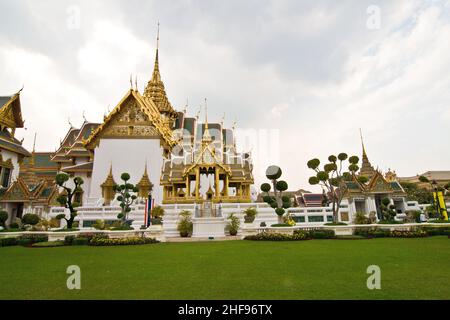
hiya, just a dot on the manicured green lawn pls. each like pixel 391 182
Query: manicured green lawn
pixel 317 269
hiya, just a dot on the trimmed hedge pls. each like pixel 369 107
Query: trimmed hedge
pixel 99 241
pixel 297 235
pixel 80 241
pixel 6 242
pixel 29 239
pixel 48 244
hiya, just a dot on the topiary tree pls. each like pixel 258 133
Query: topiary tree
pixel 31 219
pixel 332 178
pixel 387 210
pixel 3 218
pixel 126 196
pixel 67 198
pixel 279 202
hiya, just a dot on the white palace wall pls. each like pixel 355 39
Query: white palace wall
pixel 127 155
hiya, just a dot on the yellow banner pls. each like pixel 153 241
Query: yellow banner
pixel 440 200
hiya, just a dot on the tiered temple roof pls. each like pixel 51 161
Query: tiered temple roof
pixel 72 156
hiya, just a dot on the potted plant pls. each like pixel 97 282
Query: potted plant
pixel 233 227
pixel 157 214
pixel 250 214
pixel 185 224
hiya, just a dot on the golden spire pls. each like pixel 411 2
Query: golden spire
pixel 206 134
pixel 366 168
pixel 109 181
pixel 364 154
pixel 155 87
pixel 144 186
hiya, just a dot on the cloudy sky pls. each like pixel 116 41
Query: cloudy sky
pixel 299 77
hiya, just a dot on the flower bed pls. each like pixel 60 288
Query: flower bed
pixel 121 241
pixel 297 235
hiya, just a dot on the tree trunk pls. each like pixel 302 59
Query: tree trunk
pixel 280 219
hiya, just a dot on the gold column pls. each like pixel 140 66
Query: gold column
pixel 197 182
pixel 226 185
pixel 216 183
pixel 188 187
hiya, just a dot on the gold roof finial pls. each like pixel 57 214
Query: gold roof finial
pixel 362 143
pixel 131 81
pixel 70 124
pixel 135 83
pixel 206 134
pixel 206 114
pixel 186 106
pixel 84 116
pixel 34 142
pixel 223 119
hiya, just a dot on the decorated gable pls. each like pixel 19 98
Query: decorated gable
pixel 131 118
pixel 379 184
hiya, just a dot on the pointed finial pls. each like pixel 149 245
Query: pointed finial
pixel 157 38
pixel 362 143
pixel 135 83
pixel 186 106
pixel 34 142
pixel 206 113
pixel 18 92
pixel 110 168
pixel 70 124
pixel 84 116
pixel 198 113
pixel 145 169
pixel 131 81
pixel 223 119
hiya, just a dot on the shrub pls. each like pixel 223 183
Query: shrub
pixel 80 241
pixel 48 244
pixel 34 238
pixel 233 227
pixel 322 234
pixel 185 224
pixel 436 231
pixel 99 225
pixel 122 227
pixel 250 214
pixel 68 240
pixel 14 225
pixel 335 224
pixel 439 221
pixel 300 235
pixel 264 236
pixel 31 219
pixel 360 218
pixel 121 241
pixel 3 218
pixel 6 242
pixel 157 212
pixel 24 242
pixel 408 234
pixel 372 232
pixel 66 230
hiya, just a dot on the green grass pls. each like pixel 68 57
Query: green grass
pixel 316 269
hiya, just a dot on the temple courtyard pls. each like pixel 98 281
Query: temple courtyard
pixel 315 269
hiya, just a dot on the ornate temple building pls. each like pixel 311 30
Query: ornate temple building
pixel 175 157
pixel 26 178
pixel 363 193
